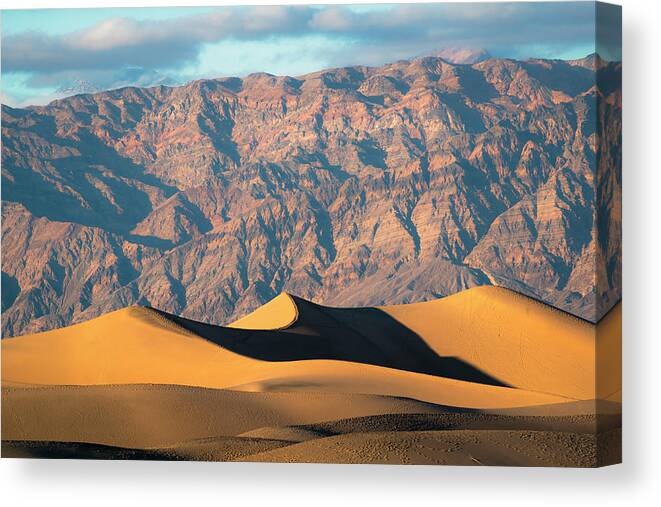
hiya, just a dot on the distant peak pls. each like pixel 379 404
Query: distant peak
pixel 78 86
pixel 260 75
pixel 591 61
pixel 462 55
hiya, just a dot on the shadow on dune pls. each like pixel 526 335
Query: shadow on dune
pixel 77 450
pixel 360 335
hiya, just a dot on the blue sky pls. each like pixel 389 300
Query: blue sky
pixel 44 51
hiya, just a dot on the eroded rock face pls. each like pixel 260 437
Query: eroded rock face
pixel 353 186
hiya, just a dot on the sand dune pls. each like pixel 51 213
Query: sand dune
pixel 517 339
pixel 160 415
pixel 458 447
pixel 256 389
pixel 279 313
pixel 609 355
pixel 177 422
pixel 301 376
pixel 125 415
pixel 458 337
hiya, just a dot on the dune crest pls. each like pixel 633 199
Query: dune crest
pixel 279 313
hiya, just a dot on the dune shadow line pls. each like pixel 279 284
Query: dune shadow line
pixel 359 335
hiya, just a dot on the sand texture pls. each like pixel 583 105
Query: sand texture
pixel 483 377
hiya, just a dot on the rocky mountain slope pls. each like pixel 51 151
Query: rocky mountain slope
pixel 351 186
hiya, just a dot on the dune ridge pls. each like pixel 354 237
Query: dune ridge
pixel 485 331
pixel 279 313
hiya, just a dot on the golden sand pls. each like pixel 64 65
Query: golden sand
pixel 279 313
pixel 520 341
pixel 150 350
pixel 548 356
pixel 136 378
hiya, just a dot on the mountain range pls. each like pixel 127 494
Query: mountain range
pixel 352 186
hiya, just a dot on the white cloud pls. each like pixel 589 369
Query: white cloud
pixel 174 43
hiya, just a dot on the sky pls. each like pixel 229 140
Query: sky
pixel 46 51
